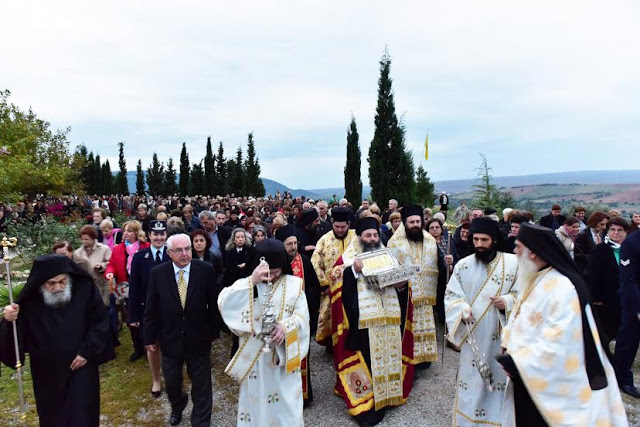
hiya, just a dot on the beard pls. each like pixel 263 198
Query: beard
pixel 486 255
pixel 527 269
pixel 57 299
pixel 414 234
pixel 370 247
pixel 341 237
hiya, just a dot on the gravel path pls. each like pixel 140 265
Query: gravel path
pixel 430 402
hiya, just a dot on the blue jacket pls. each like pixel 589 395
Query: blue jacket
pixel 141 265
pixel 630 273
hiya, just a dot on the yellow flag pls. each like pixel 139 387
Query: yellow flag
pixel 426 148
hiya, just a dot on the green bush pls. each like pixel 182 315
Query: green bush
pixel 38 239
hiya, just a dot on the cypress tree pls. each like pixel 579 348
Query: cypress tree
pixel 220 187
pixel 209 170
pixel 235 177
pixel 97 175
pixel 252 184
pixel 184 170
pixel 89 174
pixel 391 171
pixel 106 178
pixel 155 175
pixel 139 179
pixel 197 179
pixel 170 185
pixel 352 174
pixel 122 187
pixel 425 190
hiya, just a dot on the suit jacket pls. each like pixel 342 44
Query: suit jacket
pixel 141 266
pixel 583 245
pixel 547 221
pixel 232 259
pixel 182 332
pixel 604 284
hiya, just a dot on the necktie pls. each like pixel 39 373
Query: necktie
pixel 182 288
pixel 158 257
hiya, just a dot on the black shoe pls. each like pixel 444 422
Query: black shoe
pixel 423 366
pixel 135 356
pixel 631 390
pixel 175 419
pixel 156 394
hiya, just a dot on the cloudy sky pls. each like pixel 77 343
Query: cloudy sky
pixel 537 87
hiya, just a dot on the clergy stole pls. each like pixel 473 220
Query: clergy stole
pixel 298 271
pixel 250 319
pixel 390 379
pixel 328 250
pixel 423 289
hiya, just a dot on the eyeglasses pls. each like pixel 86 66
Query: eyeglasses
pixel 616 230
pixel 181 250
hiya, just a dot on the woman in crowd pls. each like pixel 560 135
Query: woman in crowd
pixel 435 228
pixel 258 234
pixel 603 279
pixel 63 247
pixel 395 219
pixel 567 233
pixel 96 256
pixel 588 238
pixel 191 221
pixel 110 236
pixel 635 221
pixel 200 249
pixel 464 248
pixel 118 271
pixel 236 255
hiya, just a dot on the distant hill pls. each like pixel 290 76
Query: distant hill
pixel 270 186
pixel 515 183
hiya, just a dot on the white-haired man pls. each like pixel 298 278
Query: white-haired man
pixel 181 315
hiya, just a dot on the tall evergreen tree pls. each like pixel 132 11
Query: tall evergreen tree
pixel 184 171
pixel 352 174
pixel 196 184
pixel 155 175
pixel 170 185
pixel 122 187
pixel 425 190
pixel 139 179
pixel 107 178
pixel 391 171
pixel 236 177
pixel 485 190
pixel 209 170
pixel 252 184
pixel 90 174
pixel 97 175
pixel 79 163
pixel 220 182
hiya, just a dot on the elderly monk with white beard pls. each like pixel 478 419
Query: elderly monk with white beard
pixel 62 323
pixel 559 373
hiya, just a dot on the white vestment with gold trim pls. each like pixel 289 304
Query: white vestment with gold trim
pixel 270 383
pixel 470 288
pixel 544 338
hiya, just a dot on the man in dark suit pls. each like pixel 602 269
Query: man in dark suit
pixel 554 219
pixel 181 315
pixel 141 266
pixel 219 234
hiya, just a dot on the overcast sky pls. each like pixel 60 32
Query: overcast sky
pixel 544 86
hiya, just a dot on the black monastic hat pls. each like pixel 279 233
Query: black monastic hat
pixel 340 214
pixel 411 210
pixel 308 216
pixel 486 225
pixel 366 223
pixel 285 232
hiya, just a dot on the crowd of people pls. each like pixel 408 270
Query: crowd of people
pixel 533 309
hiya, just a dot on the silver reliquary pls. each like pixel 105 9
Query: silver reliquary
pixel 382 269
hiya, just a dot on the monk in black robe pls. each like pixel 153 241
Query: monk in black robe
pixel 62 323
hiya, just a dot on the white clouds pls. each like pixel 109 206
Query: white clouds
pixel 498 77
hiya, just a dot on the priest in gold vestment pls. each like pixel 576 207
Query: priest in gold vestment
pixel 328 249
pixel 412 245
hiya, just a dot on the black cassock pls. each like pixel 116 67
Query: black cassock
pixel 53 337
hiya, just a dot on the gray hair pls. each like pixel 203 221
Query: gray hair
pixel 257 229
pixel 175 237
pixel 207 214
